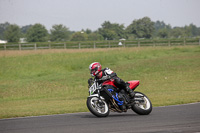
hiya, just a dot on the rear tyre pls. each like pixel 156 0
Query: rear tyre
pixel 142 104
pixel 97 107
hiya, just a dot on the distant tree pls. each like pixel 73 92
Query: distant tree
pixel 37 33
pixel 161 25
pixel 59 33
pixel 91 36
pixel 3 27
pixel 108 34
pixel 195 30
pixel 187 31
pixel 12 33
pixel 198 31
pixel 141 28
pixel 95 37
pixel 161 29
pixel 111 31
pixel 88 31
pixel 192 30
pixel 79 36
pixel 163 33
pixel 24 30
pixel 177 32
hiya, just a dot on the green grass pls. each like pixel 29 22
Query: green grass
pixel 54 83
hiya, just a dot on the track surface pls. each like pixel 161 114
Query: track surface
pixel 170 119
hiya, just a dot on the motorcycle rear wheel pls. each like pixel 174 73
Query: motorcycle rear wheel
pixel 143 105
pixel 97 107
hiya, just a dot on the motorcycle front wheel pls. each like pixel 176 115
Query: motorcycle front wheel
pixel 97 107
pixel 142 104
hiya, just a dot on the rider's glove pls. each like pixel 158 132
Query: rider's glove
pixel 90 82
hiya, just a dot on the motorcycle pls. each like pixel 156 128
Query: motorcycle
pixel 106 97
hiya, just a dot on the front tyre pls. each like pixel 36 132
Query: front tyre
pixel 97 107
pixel 142 104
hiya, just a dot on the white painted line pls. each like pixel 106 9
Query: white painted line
pixel 177 105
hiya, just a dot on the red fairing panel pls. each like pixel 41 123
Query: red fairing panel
pixel 133 83
pixel 109 82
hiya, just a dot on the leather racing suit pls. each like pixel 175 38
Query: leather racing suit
pixel 106 74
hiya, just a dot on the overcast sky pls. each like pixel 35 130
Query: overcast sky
pixel 83 14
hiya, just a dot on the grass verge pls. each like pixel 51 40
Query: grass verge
pixel 54 82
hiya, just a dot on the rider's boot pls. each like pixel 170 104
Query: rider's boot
pixel 130 91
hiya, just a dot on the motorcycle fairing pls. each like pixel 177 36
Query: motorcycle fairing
pixel 133 84
pixel 109 82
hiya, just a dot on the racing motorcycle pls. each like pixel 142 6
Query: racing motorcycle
pixel 105 97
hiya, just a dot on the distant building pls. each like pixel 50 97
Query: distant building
pixel 22 40
pixel 122 39
pixel 3 42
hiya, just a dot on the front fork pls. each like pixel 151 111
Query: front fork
pixel 97 95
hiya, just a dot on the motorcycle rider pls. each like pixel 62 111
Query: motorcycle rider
pixel 107 74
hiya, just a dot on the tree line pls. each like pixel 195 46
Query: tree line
pixel 139 28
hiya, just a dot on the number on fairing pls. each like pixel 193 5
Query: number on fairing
pixel 92 89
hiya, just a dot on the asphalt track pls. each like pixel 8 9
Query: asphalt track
pixel 170 119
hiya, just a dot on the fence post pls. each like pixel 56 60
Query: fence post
pixel 20 46
pixel 4 46
pixel 94 45
pixel 49 46
pixel 109 44
pixel 64 45
pixel 79 45
pixel 138 43
pixel 35 46
pixel 199 41
pixel 169 43
pixel 184 41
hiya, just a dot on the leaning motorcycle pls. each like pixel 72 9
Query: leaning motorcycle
pixel 106 97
